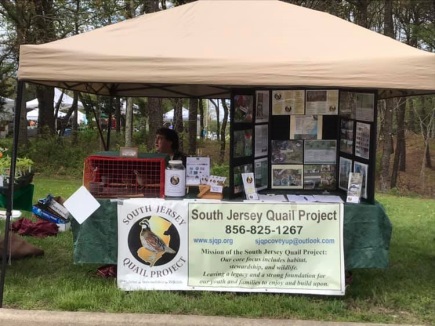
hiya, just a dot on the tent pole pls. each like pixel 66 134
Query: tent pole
pixel 10 191
pixel 109 124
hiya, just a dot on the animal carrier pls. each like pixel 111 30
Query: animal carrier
pixel 107 175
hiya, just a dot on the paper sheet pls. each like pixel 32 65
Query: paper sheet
pixel 81 204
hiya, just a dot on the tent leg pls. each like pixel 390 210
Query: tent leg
pixel 10 193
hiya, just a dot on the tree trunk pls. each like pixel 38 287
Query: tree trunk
pixel 155 119
pixel 46 121
pixel 387 133
pixel 201 119
pixel 178 115
pixel 129 122
pixel 118 114
pixel 400 152
pixel 223 132
pixel 427 129
pixel 387 127
pixel 218 126
pixel 75 125
pixel 193 125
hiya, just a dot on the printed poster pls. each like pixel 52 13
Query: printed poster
pixel 362 169
pixel 152 252
pixel 322 102
pixel 306 127
pixel 320 151
pixel 344 168
pixel 362 140
pixel 365 106
pixel 253 247
pixel 261 172
pixel 261 140
pixel 242 247
pixel 262 108
pixel 288 102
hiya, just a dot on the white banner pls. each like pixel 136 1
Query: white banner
pixel 152 246
pixel 229 246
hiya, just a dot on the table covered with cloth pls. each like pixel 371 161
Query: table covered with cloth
pixel 23 197
pixel 366 231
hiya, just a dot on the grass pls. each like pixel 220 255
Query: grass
pixel 403 293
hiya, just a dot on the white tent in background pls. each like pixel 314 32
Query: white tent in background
pixel 66 101
pixel 7 111
pixel 169 116
pixel 124 107
pixel 34 114
pixel 212 110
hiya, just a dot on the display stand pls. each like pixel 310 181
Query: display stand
pixel 303 140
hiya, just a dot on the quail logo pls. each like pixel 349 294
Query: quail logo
pixel 154 240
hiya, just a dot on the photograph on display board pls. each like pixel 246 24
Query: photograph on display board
pixel 287 176
pixel 287 151
pixel 347 104
pixel 261 140
pixel 242 143
pixel 238 180
pixel 306 127
pixel 346 136
pixel 320 151
pixel 362 140
pixel 354 188
pixel 287 102
pixel 262 106
pixel 261 173
pixel 365 107
pixel 321 102
pixel 243 108
pixel 363 169
pixel 320 177
pixel 344 168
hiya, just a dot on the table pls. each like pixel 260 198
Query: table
pixel 367 234
pixel 23 198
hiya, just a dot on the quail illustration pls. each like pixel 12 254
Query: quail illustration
pixel 152 242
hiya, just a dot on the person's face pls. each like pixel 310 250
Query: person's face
pixel 163 145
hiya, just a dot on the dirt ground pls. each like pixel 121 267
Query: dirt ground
pixel 414 180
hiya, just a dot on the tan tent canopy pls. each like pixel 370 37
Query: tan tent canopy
pixel 205 48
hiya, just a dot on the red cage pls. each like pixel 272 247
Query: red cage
pixel 107 176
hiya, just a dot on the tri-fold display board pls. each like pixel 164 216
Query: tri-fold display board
pixel 303 140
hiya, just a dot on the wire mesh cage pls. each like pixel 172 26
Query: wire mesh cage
pixel 108 176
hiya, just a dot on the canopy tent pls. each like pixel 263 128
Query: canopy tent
pixel 66 102
pixel 263 43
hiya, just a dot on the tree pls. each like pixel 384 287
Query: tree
pixel 223 130
pixel 427 125
pixel 193 125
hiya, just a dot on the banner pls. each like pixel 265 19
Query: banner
pixel 231 246
pixel 152 246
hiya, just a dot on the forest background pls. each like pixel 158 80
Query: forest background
pixel 406 126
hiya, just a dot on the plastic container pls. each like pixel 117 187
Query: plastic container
pixel 175 179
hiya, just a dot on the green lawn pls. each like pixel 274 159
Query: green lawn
pixel 403 293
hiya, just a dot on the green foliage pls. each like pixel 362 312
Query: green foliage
pixel 222 170
pixel 55 155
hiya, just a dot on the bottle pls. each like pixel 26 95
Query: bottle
pixel 175 179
